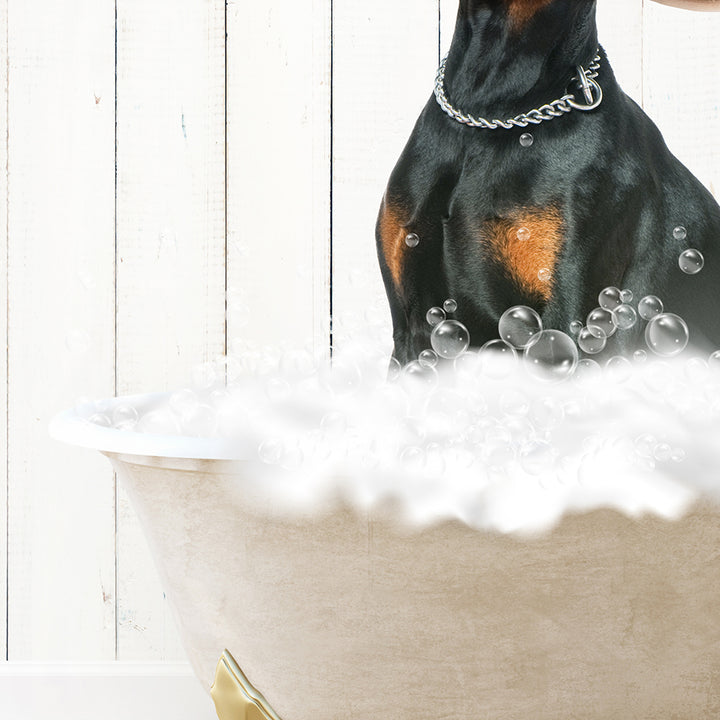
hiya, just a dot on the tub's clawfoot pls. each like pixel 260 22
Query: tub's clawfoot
pixel 235 698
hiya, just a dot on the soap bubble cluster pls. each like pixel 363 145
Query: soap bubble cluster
pixel 464 432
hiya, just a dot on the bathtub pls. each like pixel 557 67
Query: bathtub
pixel 343 613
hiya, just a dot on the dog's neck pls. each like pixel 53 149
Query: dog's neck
pixel 508 56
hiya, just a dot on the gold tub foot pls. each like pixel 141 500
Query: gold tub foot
pixel 235 698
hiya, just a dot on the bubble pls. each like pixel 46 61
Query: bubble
pixel 610 298
pixel 714 361
pixel 640 356
pixel 292 458
pixel 159 422
pixel 627 296
pixel 662 452
pixel 575 327
pixel 679 233
pixel 450 305
pixel 270 451
pixel 413 459
pixel 202 422
pixel 618 368
pixel 546 413
pixel 393 370
pixel 428 358
pixel 100 419
pixel 497 359
pixel 77 341
pixel 589 343
pixel 412 240
pixel 449 339
pixel 650 306
pixel 624 317
pixel 341 376
pixel 519 325
pixel 697 370
pixel 333 424
pixel 544 275
pixel 297 363
pixel 600 323
pixel 587 371
pixel 125 417
pixel 645 445
pixel 667 335
pixel 498 447
pixel 691 261
pixel 415 375
pixel 678 455
pixel 552 355
pixel 537 457
pixel 513 402
pixel 183 401
pixel 526 139
pixel 523 234
pixel 435 316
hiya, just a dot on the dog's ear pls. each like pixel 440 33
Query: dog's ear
pixel 702 5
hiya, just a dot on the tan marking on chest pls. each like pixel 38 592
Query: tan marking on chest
pixel 392 240
pixel 527 244
pixel 521 11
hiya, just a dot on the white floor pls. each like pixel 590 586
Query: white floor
pixel 112 691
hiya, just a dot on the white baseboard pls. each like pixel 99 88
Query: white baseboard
pixel 111 691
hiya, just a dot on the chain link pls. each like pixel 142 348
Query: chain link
pixel 554 109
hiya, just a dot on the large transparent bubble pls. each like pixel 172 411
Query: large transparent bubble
pixel 450 339
pixel 552 355
pixel 519 325
pixel 667 334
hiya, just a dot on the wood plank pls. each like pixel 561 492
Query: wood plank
pixel 384 63
pixel 60 326
pixel 681 52
pixel 170 245
pixel 3 326
pixel 111 691
pixel 278 173
pixel 620 31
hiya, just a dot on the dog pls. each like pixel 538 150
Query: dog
pixel 543 212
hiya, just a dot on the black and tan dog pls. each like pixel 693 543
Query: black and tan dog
pixel 596 196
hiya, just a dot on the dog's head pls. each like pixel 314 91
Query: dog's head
pixel 520 13
pixel 564 29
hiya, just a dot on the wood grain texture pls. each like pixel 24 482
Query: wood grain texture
pixel 620 31
pixel 384 64
pixel 3 325
pixel 681 86
pixel 170 245
pixel 60 329
pixel 278 173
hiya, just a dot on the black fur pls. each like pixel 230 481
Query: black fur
pixel 619 189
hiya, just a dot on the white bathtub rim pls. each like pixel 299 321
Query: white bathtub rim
pixel 73 427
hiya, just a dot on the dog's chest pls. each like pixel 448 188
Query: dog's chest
pixel 520 244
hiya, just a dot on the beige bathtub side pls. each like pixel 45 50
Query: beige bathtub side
pixel 339 615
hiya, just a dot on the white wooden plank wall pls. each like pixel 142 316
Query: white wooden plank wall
pixel 134 217
pixel 60 325
pixel 170 304
pixel 384 59
pixel 278 100
pixel 3 327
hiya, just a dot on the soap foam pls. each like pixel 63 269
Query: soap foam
pixel 484 439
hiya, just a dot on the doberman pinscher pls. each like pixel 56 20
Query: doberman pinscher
pixel 572 190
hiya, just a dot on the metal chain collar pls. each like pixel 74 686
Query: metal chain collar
pixel 592 93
